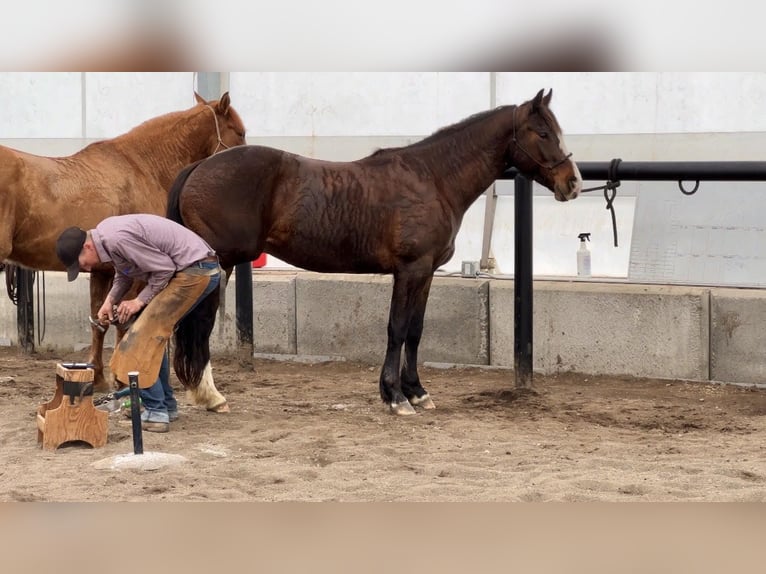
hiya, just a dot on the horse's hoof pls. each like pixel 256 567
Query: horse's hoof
pixel 221 408
pixel 402 409
pixel 423 402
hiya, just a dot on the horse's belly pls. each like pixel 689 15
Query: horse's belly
pixel 326 258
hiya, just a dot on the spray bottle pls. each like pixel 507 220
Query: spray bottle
pixel 583 256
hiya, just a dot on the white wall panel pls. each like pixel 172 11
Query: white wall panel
pixel 601 103
pixel 689 102
pixel 118 101
pixel 356 103
pixel 589 102
pixel 40 105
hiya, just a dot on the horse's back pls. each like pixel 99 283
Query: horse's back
pixel 315 214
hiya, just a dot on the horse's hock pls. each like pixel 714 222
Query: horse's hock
pixel 70 415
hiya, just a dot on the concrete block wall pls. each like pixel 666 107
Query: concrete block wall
pixel 660 331
pixel 738 335
pixel 67 307
pixel 601 328
pixel 347 315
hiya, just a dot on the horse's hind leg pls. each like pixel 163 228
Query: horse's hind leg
pixel 411 386
pixel 192 353
pixel 206 395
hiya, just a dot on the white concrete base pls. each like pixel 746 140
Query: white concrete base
pixel 146 461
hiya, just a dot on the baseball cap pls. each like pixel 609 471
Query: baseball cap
pixel 68 247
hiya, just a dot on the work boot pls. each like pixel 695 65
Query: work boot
pixel 155 421
pixel 150 426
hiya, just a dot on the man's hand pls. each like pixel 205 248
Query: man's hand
pixel 105 313
pixel 127 309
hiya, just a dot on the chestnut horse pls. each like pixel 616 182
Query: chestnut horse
pixel 397 211
pixel 132 173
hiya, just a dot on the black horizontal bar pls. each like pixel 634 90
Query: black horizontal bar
pixel 669 171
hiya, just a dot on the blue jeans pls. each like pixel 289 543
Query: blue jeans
pixel 158 400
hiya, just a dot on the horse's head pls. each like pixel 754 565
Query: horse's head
pixel 538 150
pixel 229 129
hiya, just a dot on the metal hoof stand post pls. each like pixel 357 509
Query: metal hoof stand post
pixel 135 413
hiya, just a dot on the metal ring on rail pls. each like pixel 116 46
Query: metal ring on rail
pixel 688 192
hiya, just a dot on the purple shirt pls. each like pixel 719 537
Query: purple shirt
pixel 146 247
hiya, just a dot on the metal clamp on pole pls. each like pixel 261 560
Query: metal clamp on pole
pixel 135 413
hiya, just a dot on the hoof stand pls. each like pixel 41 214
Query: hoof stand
pixel 70 415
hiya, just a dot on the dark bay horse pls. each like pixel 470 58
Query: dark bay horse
pixel 397 211
pixel 132 173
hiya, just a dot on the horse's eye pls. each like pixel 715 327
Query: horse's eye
pixel 543 135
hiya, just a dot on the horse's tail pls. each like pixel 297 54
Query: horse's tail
pixel 192 334
pixel 192 340
pixel 174 195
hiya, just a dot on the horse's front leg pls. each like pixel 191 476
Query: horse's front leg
pixel 100 283
pixel 411 386
pixel 403 301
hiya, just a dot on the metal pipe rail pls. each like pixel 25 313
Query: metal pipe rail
pixel 668 171
pixel 607 171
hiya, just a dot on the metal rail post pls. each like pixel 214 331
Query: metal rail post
pixel 522 293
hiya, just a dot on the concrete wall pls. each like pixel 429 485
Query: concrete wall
pixel 600 328
pixel 656 331
pixel 347 315
pixel 738 336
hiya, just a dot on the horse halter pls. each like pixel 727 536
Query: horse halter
pixel 518 145
pixel 217 132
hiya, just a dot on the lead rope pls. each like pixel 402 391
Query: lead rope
pixel 10 283
pixel 11 272
pixel 610 192
pixel 40 316
pixel 217 131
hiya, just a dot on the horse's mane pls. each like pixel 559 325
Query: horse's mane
pixel 449 131
pixel 163 124
pixel 444 133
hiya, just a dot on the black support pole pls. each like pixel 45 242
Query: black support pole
pixel 244 310
pixel 135 413
pixel 25 314
pixel 522 328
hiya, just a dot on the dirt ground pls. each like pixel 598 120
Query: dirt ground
pixel 320 433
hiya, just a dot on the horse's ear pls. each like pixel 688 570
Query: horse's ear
pixel 223 104
pixel 200 99
pixel 547 99
pixel 538 99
